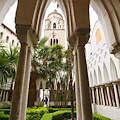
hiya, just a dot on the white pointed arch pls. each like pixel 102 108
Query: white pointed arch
pixel 113 71
pixel 95 78
pixel 105 73
pixel 4 8
pixel 90 79
pixel 100 79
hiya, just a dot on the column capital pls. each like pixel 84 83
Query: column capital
pixel 102 86
pixel 22 31
pixel 108 85
pixel 27 35
pixel 96 87
pixel 115 82
pixel 81 35
pixel 92 88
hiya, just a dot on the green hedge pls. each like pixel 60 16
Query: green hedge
pixel 51 110
pixel 36 114
pixel 32 113
pixel 3 116
pixel 5 107
pixel 59 115
pixel 5 111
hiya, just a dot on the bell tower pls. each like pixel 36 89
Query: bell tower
pixel 54 29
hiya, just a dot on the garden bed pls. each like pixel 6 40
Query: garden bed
pixel 42 113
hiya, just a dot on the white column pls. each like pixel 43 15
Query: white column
pixel 39 95
pixel 109 97
pixel 6 97
pixel 26 86
pixel 98 101
pixel 20 75
pixel 93 95
pixel 116 95
pixel 83 79
pixel 103 97
pixel 78 102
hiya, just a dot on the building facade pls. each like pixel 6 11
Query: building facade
pixel 55 29
pixel 103 72
pixel 7 39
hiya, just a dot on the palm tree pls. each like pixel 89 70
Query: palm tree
pixel 71 81
pixel 8 63
pixel 38 69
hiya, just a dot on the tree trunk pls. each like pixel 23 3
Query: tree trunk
pixel 32 89
pixel 71 87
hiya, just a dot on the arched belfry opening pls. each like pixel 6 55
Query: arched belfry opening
pixel 54 25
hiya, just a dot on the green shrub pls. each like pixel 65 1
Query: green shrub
pixel 36 114
pixel 5 107
pixel 7 112
pixel 51 110
pixel 3 116
pixel 99 117
pixel 59 115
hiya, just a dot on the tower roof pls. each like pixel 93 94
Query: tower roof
pixel 55 13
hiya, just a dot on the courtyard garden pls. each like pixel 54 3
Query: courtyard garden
pixel 43 113
pixel 47 67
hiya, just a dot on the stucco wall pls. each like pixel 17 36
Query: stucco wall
pixel 110 112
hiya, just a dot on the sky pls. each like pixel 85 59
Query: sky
pixel 10 16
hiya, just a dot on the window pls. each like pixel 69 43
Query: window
pixel 1 34
pixel 54 25
pixel 51 42
pixel 18 44
pixel 98 36
pixel 12 42
pixel 7 39
pixel 56 41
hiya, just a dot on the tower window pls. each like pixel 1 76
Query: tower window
pixel 56 41
pixel 60 26
pixel 51 42
pixel 54 25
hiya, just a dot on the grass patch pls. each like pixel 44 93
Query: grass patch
pixel 100 117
